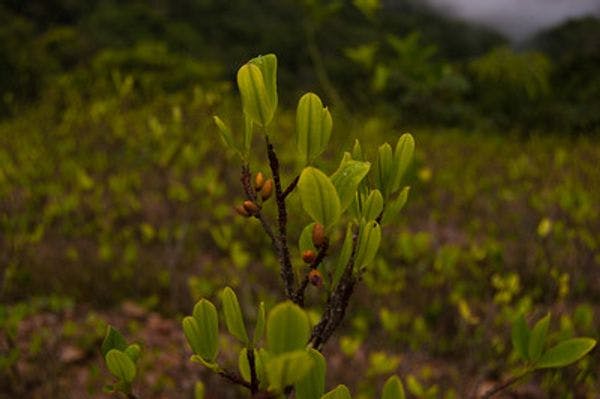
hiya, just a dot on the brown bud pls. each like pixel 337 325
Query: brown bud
pixel 241 211
pixel 259 180
pixel 316 278
pixel 267 190
pixel 309 256
pixel 250 207
pixel 318 235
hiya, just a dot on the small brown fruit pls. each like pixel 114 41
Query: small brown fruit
pixel 316 278
pixel 241 211
pixel 267 190
pixel 318 235
pixel 309 256
pixel 250 207
pixel 259 181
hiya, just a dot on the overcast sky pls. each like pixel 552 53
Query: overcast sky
pixel 518 18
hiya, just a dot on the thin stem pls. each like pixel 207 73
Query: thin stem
pixel 253 378
pixel 504 385
pixel 287 273
pixel 299 294
pixel 288 190
pixel 234 378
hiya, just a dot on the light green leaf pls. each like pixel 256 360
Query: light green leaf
pixel 209 365
pixel 225 134
pixel 112 340
pixel 537 339
pixel 133 351
pixel 339 392
pixel 565 353
pixel 313 384
pixel 357 151
pixel 313 127
pixel 384 171
pixel 259 329
pixel 368 243
pixel 520 337
pixel 344 257
pixel 373 206
pixel 255 100
pixel 287 328
pixel 268 66
pixel 305 241
pixel 393 389
pixel 403 156
pixel 319 197
pixel 120 365
pixel 347 179
pixel 248 131
pixel 288 368
pixel 233 315
pixel 202 330
pixel 393 207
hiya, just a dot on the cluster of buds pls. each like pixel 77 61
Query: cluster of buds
pixel 262 186
pixel 247 208
pixel 309 255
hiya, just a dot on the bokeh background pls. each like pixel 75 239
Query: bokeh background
pixel 116 194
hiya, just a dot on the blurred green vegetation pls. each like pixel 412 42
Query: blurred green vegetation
pixel 113 184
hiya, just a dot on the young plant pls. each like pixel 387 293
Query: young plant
pixel 121 359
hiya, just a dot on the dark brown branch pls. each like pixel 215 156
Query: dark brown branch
pixel 299 294
pixel 287 273
pixel 253 378
pixel 335 309
pixel 291 187
pixel 503 386
pixel 234 378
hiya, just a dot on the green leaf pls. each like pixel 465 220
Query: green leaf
pixel 268 67
pixel 287 328
pixel 368 243
pixel 112 340
pixel 537 339
pixel 393 207
pixel 393 389
pixel 244 366
pixel 202 330
pixel 259 329
pixel 305 241
pixel 313 384
pixel 209 365
pixel 344 257
pixel 373 206
pixel 347 179
pixel 233 315
pixel 248 130
pixel 520 337
pixel 133 351
pixel 339 392
pixel 319 197
pixel 357 151
pixel 384 171
pixel 255 100
pixel 566 352
pixel 120 365
pixel 225 134
pixel 288 368
pixel 403 156
pixel 313 127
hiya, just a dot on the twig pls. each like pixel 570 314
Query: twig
pixel 287 273
pixel 235 378
pixel 299 294
pixel 504 385
pixel 253 378
pixel 288 190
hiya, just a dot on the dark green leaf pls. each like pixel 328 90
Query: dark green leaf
pixel 112 340
pixel 537 339
pixel 393 389
pixel 339 392
pixel 566 352
pixel 520 337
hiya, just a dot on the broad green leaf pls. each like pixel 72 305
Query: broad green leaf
pixel 403 156
pixel 313 127
pixel 520 337
pixel 287 328
pixel 120 365
pixel 319 197
pixel 373 206
pixel 112 340
pixel 255 100
pixel 537 339
pixel 565 353
pixel 268 66
pixel 313 384
pixel 339 392
pixel 202 330
pixel 393 389
pixel 347 179
pixel 233 315
pixel 133 351
pixel 368 243
pixel 384 170
pixel 288 368
pixel 344 257
pixel 244 366
pixel 259 329
pixel 393 207
pixel 225 134
pixel 305 241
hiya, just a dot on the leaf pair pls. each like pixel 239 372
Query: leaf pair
pixel 120 358
pixel 392 389
pixel 391 167
pixel 257 81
